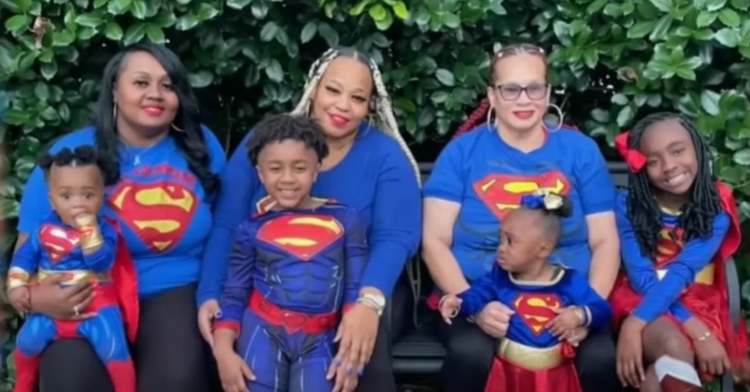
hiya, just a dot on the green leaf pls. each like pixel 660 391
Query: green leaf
pixel 601 116
pixel 379 40
pixel 200 79
pixel 662 5
pixel 705 19
pixel 186 22
pixel 715 5
pixel 17 23
pixel 207 11
pixel 134 33
pixel 625 116
pixel 661 29
pixel 742 157
pixel 139 9
pixel 439 97
pixel 329 34
pixel 359 8
pixel 238 4
pixel 91 19
pixel 620 99
pixel 378 12
pixel 41 90
pixel 268 33
pixel 730 17
pixel 742 5
pixel 710 102
pixel 727 37
pixel 308 32
pixel 445 77
pixel 113 31
pixel 117 7
pixel 155 34
pixel 399 8
pixel 48 70
pixel 640 29
pixel 596 6
pixel 274 71
pixel 385 23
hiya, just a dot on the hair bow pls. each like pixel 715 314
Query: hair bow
pixel 542 199
pixel 634 158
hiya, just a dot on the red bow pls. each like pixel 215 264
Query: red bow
pixel 633 158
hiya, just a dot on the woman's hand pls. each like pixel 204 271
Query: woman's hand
pixel 58 302
pixel 345 381
pixel 356 337
pixel 630 352
pixel 207 313
pixel 711 356
pixel 449 306
pixel 494 319
pixel 233 370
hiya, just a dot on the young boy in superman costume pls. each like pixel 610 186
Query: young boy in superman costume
pixel 294 266
pixel 78 241
pixel 549 301
pixel 677 226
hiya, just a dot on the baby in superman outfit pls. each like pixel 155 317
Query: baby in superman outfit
pixel 294 266
pixel 550 302
pixel 76 240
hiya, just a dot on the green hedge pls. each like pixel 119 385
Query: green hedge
pixel 613 62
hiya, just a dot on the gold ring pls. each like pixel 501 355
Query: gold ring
pixel 75 310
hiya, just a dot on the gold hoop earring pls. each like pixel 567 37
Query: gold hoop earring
pixel 560 116
pixel 489 118
pixel 175 128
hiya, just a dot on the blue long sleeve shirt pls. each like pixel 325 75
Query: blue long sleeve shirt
pixel 374 177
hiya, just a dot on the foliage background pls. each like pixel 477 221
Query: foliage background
pixel 611 61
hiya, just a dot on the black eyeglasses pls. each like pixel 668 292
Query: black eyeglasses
pixel 511 91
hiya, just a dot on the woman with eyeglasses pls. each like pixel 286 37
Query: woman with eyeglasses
pixel 478 178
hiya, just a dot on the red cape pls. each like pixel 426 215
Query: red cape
pixel 125 280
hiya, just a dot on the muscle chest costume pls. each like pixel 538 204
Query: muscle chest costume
pixel 529 358
pixel 290 275
pixel 56 248
pixel 682 279
pixel 488 177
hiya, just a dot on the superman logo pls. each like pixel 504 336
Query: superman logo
pixel 536 310
pixel 502 193
pixel 668 245
pixel 158 212
pixel 57 241
pixel 301 235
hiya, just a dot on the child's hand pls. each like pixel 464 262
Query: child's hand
pixel 711 356
pixel 449 306
pixel 576 336
pixel 630 352
pixel 233 371
pixel 566 321
pixel 20 298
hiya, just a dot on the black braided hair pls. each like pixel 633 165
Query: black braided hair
pixel 702 206
pixel 552 219
pixel 189 138
pixel 279 127
pixel 81 156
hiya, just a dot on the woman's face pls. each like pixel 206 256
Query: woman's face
pixel 342 98
pixel 143 95
pixel 519 91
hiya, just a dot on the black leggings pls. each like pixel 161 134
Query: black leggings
pixel 169 353
pixel 378 375
pixel 470 352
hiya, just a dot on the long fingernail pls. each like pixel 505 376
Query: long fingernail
pixel 218 314
pixel 337 361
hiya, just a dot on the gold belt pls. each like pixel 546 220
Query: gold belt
pixel 528 357
pixel 74 276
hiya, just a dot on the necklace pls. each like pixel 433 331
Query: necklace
pixel 137 156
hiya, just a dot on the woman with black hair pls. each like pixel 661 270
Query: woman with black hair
pixel 147 120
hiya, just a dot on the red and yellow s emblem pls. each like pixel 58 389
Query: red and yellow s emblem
pixel 502 193
pixel 301 235
pixel 57 241
pixel 536 310
pixel 158 212
pixel 668 245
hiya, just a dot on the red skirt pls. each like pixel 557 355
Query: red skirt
pixel 508 377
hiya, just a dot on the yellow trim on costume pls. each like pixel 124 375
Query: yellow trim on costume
pixel 531 358
pixel 17 277
pixel 75 276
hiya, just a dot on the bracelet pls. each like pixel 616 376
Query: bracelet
pixel 703 337
pixel 369 303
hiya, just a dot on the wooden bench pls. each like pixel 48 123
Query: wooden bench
pixel 420 352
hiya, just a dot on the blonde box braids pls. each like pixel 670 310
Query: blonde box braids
pixel 381 112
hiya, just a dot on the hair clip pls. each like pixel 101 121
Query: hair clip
pixel 634 158
pixel 542 198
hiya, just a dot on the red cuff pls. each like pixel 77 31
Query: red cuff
pixel 231 325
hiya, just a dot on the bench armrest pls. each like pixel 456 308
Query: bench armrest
pixel 734 296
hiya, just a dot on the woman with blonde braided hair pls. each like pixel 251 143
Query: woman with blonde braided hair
pixel 506 149
pixel 369 168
